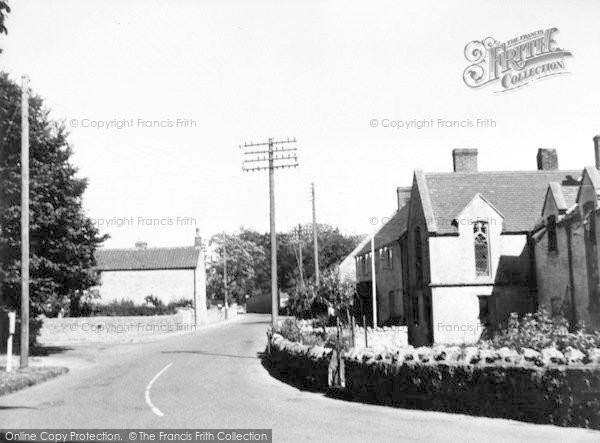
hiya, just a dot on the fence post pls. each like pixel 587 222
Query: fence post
pixel 9 342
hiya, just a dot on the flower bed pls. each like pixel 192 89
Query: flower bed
pixel 302 365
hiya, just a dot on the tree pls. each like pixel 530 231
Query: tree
pixel 63 239
pixel 244 258
pixel 4 11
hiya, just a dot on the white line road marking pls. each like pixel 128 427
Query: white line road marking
pixel 147 393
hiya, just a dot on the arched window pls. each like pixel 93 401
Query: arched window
pixel 482 249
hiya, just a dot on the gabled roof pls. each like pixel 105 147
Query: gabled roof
pixel 564 196
pixel 517 195
pixel 593 176
pixel 390 232
pixel 136 259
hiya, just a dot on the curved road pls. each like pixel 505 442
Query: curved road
pixel 212 378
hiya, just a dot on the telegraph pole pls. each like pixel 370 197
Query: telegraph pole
pixel 298 237
pixel 24 222
pixel 315 240
pixel 225 303
pixel 275 157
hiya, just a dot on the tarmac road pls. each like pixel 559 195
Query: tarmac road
pixel 212 378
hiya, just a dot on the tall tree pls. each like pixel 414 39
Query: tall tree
pixel 63 239
pixel 244 259
pixel 4 11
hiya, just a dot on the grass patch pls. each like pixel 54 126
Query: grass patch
pixel 23 378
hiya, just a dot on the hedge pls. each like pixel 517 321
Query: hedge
pixel 301 365
pixel 527 389
pixel 560 395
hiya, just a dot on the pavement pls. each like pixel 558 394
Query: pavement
pixel 213 378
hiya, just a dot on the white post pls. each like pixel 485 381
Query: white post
pixel 374 281
pixel 9 342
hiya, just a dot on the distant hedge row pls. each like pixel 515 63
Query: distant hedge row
pixel 563 395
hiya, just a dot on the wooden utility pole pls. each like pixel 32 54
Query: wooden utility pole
pixel 24 222
pixel 225 302
pixel 373 281
pixel 300 265
pixel 315 232
pixel 271 159
pixel 298 238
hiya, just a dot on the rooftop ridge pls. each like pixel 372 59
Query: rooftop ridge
pixel 524 171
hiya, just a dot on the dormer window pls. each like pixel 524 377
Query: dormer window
pixel 552 239
pixel 482 249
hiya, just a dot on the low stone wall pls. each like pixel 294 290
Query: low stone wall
pixel 563 396
pixel 388 337
pixel 298 364
pixel 75 330
pixel 518 387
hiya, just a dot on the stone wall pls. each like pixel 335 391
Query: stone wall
pixel 80 330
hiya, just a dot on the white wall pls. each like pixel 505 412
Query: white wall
pixel 456 312
pixel 167 285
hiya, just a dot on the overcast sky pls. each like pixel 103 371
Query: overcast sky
pixel 315 70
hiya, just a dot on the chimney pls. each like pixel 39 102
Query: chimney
pixel 141 245
pixel 403 195
pixel 465 160
pixel 197 239
pixel 597 150
pixel 547 160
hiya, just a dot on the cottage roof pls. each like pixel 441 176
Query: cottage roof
pixel 136 259
pixel 517 195
pixel 390 231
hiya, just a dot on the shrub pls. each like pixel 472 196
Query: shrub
pixel 290 330
pixel 540 331
pixel 313 301
pixel 125 307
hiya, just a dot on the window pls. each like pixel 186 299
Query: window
pixel 552 240
pixel 484 309
pixel 482 250
pixel 418 257
pixel 385 257
pixel 590 220
pixel 415 309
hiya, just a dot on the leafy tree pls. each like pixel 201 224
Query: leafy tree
pixel 4 11
pixel 244 258
pixel 256 253
pixel 63 240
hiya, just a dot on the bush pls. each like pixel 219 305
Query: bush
pixel 540 331
pixel 559 396
pixel 311 301
pixel 126 308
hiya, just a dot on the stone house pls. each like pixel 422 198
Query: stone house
pixel 566 251
pixel 469 254
pixel 389 276
pixel 168 273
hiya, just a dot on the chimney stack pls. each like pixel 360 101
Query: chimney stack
pixel 547 160
pixel 403 195
pixel 141 245
pixel 597 150
pixel 465 160
pixel 197 239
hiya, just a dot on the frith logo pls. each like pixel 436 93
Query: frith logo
pixel 515 63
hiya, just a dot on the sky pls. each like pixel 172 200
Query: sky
pixel 319 71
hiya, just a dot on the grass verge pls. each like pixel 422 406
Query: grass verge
pixel 23 378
